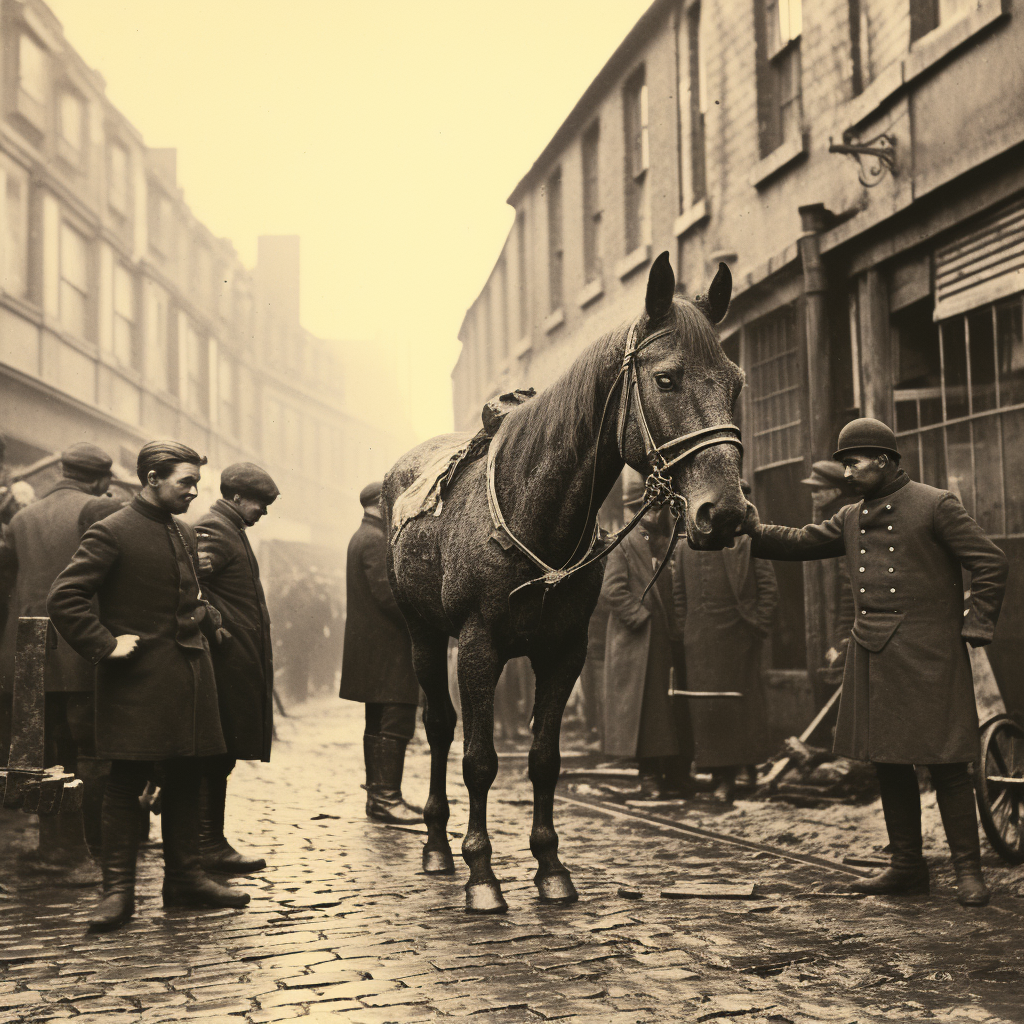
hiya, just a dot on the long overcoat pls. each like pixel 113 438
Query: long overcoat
pixel 244 664
pixel 632 644
pixel 161 701
pixel 726 601
pixel 908 695
pixel 376 666
pixel 38 543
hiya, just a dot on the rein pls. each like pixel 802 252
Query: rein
pixel 658 489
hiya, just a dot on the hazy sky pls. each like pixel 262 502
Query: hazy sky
pixel 386 134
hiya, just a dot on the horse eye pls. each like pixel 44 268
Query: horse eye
pixel 664 381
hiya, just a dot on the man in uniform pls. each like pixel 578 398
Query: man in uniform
pixel 38 543
pixel 908 695
pixel 244 662
pixel 377 667
pixel 156 699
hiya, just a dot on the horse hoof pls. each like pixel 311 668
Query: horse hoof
pixel 485 898
pixel 557 889
pixel 438 862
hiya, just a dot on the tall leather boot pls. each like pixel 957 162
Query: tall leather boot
pixel 901 804
pixel 955 796
pixel 385 763
pixel 120 847
pixel 217 853
pixel 186 884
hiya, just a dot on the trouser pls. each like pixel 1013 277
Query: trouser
pixel 395 720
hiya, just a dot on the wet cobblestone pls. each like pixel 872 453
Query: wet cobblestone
pixel 344 927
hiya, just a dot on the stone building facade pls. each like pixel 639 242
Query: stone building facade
pixel 123 318
pixel 884 277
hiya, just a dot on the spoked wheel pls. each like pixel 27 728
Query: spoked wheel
pixel 999 785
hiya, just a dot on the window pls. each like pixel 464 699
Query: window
pixel 125 349
pixel 927 15
pixel 779 24
pixel 638 159
pixel 195 352
pixel 159 368
pixel 14 225
pixel 692 108
pixel 774 375
pixel 591 204
pixel 71 127
pixel 524 305
pixel 33 80
pixel 483 335
pixel 161 222
pixel 74 281
pixel 501 309
pixel 227 382
pixel 555 250
pixel 117 185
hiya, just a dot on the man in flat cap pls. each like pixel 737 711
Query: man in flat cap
pixel 243 663
pixel 908 693
pixel 38 543
pixel 376 666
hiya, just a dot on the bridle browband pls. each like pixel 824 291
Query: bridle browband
pixel 658 489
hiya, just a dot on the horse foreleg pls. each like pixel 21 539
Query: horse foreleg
pixel 556 676
pixel 479 668
pixel 430 660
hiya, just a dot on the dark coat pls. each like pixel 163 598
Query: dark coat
pixel 244 664
pixel 908 694
pixel 161 702
pixel 376 666
pixel 38 544
pixel 726 601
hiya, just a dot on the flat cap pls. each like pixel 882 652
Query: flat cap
pixel 865 433
pixel 826 473
pixel 250 480
pixel 370 494
pixel 88 457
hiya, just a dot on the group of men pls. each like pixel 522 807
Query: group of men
pixel 160 673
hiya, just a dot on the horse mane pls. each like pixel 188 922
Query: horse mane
pixel 569 411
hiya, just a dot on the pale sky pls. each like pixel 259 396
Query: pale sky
pixel 386 134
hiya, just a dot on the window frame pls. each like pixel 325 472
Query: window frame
pixel 553 196
pixel 114 143
pixel 779 66
pixel 65 283
pixel 34 109
pixel 71 153
pixel 590 151
pixel 14 242
pixel 636 128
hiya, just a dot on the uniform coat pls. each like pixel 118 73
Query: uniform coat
pixel 244 664
pixel 38 544
pixel 908 695
pixel 638 656
pixel 160 702
pixel 726 601
pixel 376 666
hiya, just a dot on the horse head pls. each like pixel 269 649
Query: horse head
pixel 685 386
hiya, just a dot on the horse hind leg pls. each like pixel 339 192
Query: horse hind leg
pixel 479 668
pixel 430 660
pixel 556 676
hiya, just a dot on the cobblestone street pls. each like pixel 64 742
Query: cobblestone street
pixel 342 926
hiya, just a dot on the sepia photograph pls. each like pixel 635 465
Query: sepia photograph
pixel 512 511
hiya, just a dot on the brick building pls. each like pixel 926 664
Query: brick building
pixel 885 279
pixel 122 317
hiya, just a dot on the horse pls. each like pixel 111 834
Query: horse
pixel 551 463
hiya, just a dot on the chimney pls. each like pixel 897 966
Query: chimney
pixel 165 162
pixel 277 273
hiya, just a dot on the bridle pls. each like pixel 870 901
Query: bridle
pixel 658 489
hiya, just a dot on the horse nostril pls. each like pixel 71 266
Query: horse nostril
pixel 704 516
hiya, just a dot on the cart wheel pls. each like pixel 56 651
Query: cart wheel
pixel 999 785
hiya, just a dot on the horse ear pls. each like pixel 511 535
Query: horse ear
pixel 715 304
pixel 661 283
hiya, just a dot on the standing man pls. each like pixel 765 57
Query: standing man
pixel 244 662
pixel 642 720
pixel 38 543
pixel 156 700
pixel 725 601
pixel 908 695
pixel 376 667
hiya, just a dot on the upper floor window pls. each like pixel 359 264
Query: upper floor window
pixel 14 224
pixel 638 159
pixel 125 349
pixel 523 267
pixel 556 252
pixel 161 364
pixel 692 108
pixel 33 80
pixel 227 384
pixel 194 351
pixel 161 222
pixel 927 15
pixel 71 127
pixel 74 280
pixel 779 24
pixel 117 184
pixel 591 204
